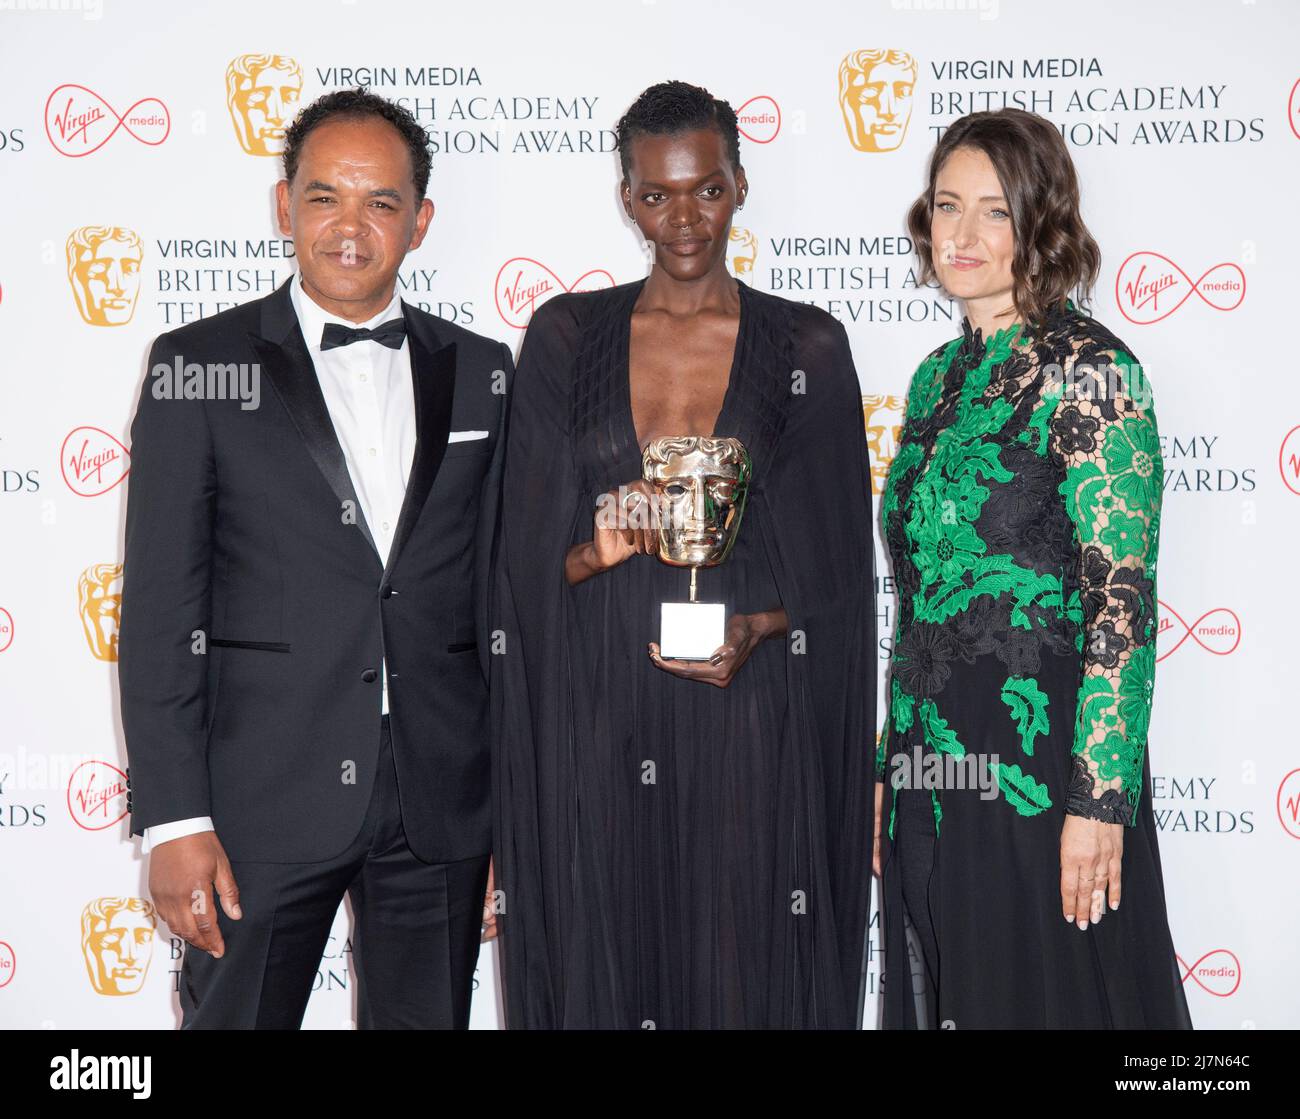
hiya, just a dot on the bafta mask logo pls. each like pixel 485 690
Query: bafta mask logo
pixel 262 93
pixel 883 416
pixel 117 943
pixel 104 271
pixel 700 485
pixel 742 251
pixel 99 599
pixel 876 88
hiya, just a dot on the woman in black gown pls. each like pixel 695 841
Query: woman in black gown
pixel 1022 514
pixel 683 844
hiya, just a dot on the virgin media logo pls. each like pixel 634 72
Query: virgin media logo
pixel 1217 972
pixel 759 119
pixel 1150 287
pixel 1293 109
pixel 1217 631
pixel 7 964
pixel 78 121
pixel 1288 459
pixel 92 461
pixel 96 795
pixel 6 629
pixel 523 284
pixel 1288 803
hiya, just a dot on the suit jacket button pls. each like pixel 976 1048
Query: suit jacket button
pixel 370 676
pixel 387 592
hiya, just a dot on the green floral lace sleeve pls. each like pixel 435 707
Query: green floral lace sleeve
pixel 922 392
pixel 1103 426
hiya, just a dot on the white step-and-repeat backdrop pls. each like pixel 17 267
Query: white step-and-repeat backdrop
pixel 138 145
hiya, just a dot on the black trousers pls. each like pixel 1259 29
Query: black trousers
pixel 414 946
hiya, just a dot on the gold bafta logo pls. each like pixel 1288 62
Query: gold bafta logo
pixel 117 943
pixel 883 416
pixel 876 88
pixel 262 93
pixel 104 271
pixel 99 601
pixel 742 251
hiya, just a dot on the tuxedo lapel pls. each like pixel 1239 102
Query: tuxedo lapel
pixel 288 366
pixel 433 370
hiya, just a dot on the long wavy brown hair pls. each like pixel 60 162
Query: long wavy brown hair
pixel 1055 256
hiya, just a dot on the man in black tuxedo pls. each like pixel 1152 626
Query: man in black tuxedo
pixel 300 558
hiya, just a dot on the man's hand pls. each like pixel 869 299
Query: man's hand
pixel 182 875
pixel 489 906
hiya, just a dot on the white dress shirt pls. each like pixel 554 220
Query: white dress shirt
pixel 370 397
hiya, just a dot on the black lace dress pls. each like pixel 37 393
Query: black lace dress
pixel 1022 516
pixel 671 854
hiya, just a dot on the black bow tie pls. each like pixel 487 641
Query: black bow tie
pixel 390 334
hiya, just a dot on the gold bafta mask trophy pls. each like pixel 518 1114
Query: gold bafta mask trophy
pixel 700 485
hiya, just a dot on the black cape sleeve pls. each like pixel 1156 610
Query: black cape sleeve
pixel 823 563
pixel 529 671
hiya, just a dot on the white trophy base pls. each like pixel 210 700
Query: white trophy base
pixel 691 631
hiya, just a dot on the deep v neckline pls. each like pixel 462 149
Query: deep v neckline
pixel 625 379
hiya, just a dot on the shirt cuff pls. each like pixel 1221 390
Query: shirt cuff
pixel 161 833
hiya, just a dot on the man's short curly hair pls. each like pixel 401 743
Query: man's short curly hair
pixel 354 104
pixel 670 108
pixel 1055 255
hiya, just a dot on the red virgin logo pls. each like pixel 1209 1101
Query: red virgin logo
pixel 78 121
pixel 92 461
pixel 8 965
pixel 1293 109
pixel 1288 804
pixel 1288 459
pixel 1150 287
pixel 1217 631
pixel 759 119
pixel 96 795
pixel 6 629
pixel 523 284
pixel 1218 972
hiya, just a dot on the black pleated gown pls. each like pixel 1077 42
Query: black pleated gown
pixel 671 854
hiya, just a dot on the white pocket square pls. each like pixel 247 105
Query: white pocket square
pixel 463 436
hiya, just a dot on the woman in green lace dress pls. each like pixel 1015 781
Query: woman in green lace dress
pixel 1022 515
